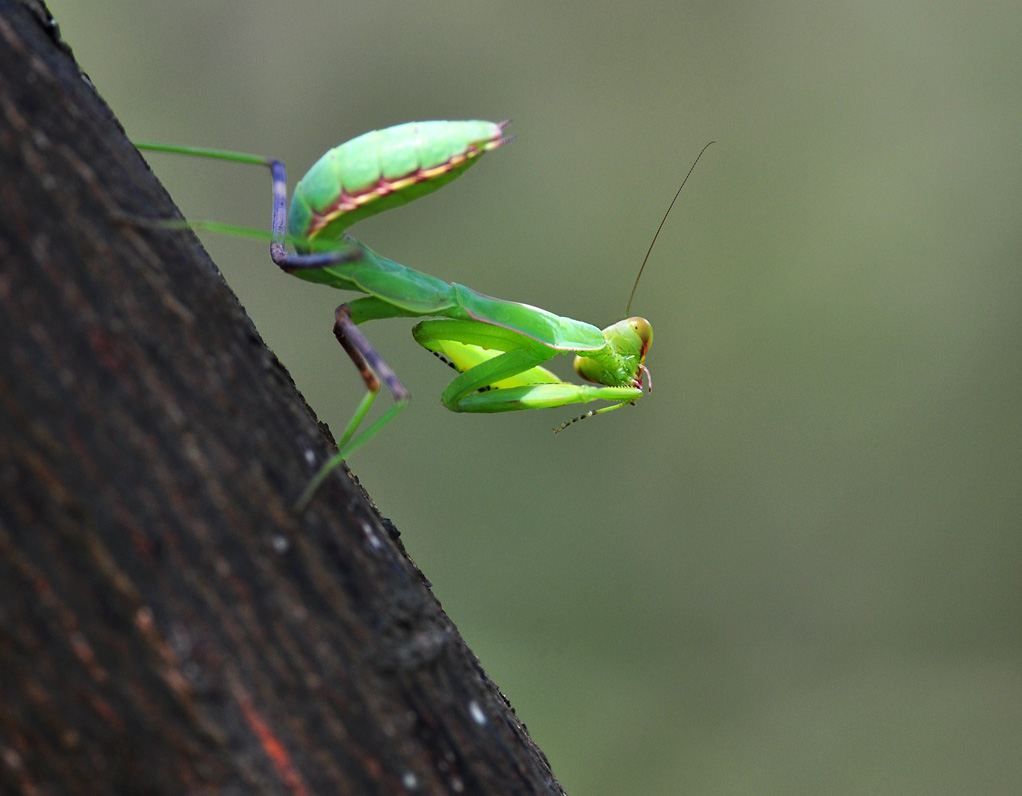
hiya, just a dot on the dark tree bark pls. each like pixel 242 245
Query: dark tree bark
pixel 167 625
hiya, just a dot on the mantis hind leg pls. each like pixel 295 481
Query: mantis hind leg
pixel 278 236
pixel 278 225
pixel 373 369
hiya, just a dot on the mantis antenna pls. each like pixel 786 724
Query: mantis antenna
pixel 628 308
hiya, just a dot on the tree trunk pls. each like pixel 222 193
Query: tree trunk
pixel 167 624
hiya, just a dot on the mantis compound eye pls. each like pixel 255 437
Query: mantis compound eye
pixel 644 330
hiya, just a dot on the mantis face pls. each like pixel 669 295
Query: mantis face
pixel 621 364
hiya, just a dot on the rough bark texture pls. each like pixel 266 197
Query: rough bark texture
pixel 166 624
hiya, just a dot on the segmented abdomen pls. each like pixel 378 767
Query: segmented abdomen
pixel 384 169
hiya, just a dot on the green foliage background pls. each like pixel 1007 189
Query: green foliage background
pixel 795 568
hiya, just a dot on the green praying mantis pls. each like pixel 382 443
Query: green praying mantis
pixel 498 347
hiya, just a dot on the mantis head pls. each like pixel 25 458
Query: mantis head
pixel 629 341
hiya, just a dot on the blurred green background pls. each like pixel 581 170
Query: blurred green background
pixel 795 568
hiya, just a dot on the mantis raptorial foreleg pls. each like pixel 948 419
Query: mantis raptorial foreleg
pixel 501 370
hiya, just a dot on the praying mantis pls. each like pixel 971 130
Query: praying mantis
pixel 498 347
